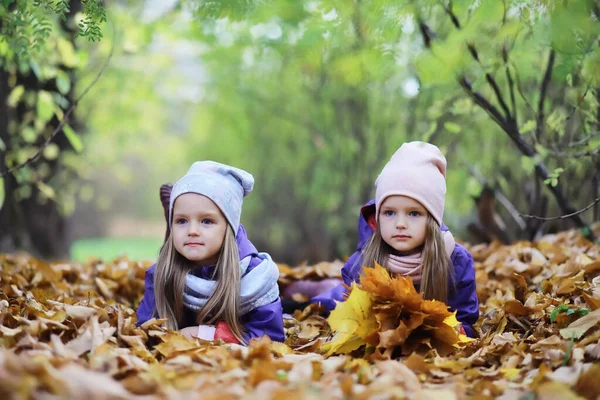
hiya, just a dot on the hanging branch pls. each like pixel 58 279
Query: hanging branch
pixel 511 84
pixel 64 120
pixel 563 216
pixel 543 89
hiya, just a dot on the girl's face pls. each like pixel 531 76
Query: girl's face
pixel 403 223
pixel 198 228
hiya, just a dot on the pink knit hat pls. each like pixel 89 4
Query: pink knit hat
pixel 416 170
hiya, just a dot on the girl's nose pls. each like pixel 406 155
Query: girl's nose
pixel 401 223
pixel 193 229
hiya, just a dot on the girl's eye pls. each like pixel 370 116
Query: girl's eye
pixel 389 213
pixel 180 221
pixel 207 221
pixel 414 214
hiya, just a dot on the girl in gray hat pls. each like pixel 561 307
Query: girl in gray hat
pixel 210 281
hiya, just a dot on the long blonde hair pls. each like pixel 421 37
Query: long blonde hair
pixel 222 305
pixel 437 268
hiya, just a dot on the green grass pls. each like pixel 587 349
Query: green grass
pixel 108 248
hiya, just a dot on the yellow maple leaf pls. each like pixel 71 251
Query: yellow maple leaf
pixel 352 321
pixel 453 322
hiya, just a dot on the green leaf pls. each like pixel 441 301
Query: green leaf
pixel 36 70
pixel 452 127
pixel 46 190
pixel 23 192
pixel 63 82
pixel 569 351
pixel 580 311
pixel 570 79
pixel 563 308
pixel 528 126
pixel 474 187
pixel 74 139
pixel 541 150
pixel 51 151
pixel 29 134
pixel 15 96
pixel 528 164
pixel 45 106
pixel 67 53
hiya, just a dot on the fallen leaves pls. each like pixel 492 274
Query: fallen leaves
pixel 68 331
pixel 579 327
pixel 353 322
pixel 386 314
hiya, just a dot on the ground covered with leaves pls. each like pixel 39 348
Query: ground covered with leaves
pixel 68 331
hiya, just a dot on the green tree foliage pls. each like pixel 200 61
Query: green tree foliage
pixel 319 91
pixel 26 24
pixel 532 67
pixel 313 98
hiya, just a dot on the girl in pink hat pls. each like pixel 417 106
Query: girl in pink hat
pixel 406 234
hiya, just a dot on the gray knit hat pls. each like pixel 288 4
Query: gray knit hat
pixel 225 185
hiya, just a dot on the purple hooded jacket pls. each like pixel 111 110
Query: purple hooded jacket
pixel 265 320
pixel 462 297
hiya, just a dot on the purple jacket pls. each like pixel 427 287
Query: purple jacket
pixel 265 320
pixel 462 297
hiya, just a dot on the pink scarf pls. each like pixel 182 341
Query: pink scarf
pixel 412 265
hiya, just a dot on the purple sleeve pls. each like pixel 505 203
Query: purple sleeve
pixel 352 269
pixel 265 320
pixel 148 305
pixel 464 295
pixel 350 273
pixel 328 298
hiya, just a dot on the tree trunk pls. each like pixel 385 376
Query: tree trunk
pixel 31 224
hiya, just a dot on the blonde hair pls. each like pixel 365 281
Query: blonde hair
pixel 437 268
pixel 222 305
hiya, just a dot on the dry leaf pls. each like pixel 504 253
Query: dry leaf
pixel 578 328
pixel 68 331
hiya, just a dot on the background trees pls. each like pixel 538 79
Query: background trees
pixel 313 98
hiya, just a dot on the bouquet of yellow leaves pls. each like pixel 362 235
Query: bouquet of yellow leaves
pixel 388 316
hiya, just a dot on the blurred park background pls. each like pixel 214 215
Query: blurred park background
pixel 311 97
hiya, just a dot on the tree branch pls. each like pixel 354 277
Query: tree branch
pixel 65 118
pixel 490 79
pixel 513 132
pixel 483 102
pixel 573 214
pixel 581 98
pixel 543 89
pixel 451 14
pixel 428 34
pixel 511 84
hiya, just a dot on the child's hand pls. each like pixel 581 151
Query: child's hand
pixel 189 332
pixel 205 332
